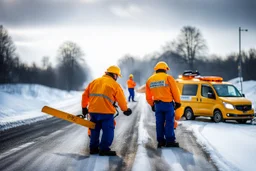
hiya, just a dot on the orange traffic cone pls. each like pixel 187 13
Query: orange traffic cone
pixel 175 124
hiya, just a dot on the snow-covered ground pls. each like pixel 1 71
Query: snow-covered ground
pixel 230 145
pixel 21 104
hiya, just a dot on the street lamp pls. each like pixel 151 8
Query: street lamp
pixel 240 59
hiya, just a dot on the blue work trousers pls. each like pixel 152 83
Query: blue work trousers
pixel 104 122
pixel 165 121
pixel 131 94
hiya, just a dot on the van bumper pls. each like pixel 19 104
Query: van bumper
pixel 239 116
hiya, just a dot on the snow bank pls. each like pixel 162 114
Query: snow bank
pixel 21 104
pixel 141 158
pixel 249 89
pixel 36 92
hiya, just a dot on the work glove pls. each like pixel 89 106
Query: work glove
pixel 153 108
pixel 85 111
pixel 128 112
pixel 176 105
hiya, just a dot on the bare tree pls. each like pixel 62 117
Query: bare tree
pixel 70 54
pixel 128 64
pixel 190 44
pixel 249 64
pixel 140 68
pixel 46 62
pixel 7 53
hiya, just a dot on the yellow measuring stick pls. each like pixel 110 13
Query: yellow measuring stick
pixel 68 117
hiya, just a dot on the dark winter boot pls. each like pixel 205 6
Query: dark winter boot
pixel 161 144
pixel 172 144
pixel 107 153
pixel 94 151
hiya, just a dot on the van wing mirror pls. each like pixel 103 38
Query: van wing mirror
pixel 211 95
pixel 243 95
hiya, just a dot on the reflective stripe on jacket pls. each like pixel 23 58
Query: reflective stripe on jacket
pixel 161 86
pixel 131 83
pixel 100 95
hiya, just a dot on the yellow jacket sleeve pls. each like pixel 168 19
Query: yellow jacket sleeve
pixel 149 96
pixel 120 98
pixel 174 89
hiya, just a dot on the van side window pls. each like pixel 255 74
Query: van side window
pixel 189 89
pixel 205 90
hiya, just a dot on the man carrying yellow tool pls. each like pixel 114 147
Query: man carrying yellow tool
pixel 98 99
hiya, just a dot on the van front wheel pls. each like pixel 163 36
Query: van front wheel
pixel 217 116
pixel 189 114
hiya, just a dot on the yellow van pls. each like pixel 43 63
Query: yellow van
pixel 210 96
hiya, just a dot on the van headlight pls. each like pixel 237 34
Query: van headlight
pixel 253 107
pixel 228 105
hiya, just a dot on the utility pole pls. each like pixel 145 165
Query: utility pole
pixel 240 75
pixel 72 71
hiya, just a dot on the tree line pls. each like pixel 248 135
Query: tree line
pixel 187 52
pixel 70 72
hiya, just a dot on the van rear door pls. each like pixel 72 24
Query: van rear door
pixel 189 96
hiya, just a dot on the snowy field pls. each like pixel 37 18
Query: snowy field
pixel 230 145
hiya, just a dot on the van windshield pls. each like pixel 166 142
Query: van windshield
pixel 227 90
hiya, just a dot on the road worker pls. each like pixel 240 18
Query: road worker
pixel 99 100
pixel 163 96
pixel 131 84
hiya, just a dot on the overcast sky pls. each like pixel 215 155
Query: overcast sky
pixel 108 29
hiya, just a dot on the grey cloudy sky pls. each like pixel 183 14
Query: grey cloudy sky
pixel 118 27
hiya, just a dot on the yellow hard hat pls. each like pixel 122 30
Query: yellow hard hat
pixel 131 75
pixel 115 70
pixel 161 65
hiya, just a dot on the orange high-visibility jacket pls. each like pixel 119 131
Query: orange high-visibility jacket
pixel 161 86
pixel 131 83
pixel 100 95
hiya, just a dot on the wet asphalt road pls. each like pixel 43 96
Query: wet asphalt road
pixel 55 144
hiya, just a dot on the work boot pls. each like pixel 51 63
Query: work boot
pixel 172 144
pixel 107 153
pixel 161 144
pixel 94 151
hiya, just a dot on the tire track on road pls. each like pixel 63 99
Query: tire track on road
pixel 125 142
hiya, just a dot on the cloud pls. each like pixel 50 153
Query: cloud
pixel 91 1
pixel 214 13
pixel 129 11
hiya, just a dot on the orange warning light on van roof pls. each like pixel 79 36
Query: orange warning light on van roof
pixel 189 75
pixel 211 78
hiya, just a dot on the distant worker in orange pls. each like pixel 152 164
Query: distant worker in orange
pixel 163 96
pixel 131 85
pixel 99 100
